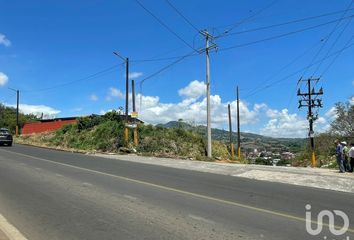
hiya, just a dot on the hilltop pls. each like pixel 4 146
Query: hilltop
pixel 249 141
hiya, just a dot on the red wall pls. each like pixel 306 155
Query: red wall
pixel 40 127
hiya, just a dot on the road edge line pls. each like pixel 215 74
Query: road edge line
pixel 9 230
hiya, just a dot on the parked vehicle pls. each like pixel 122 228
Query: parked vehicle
pixel 5 137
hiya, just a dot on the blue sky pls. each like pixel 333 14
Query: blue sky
pixel 46 47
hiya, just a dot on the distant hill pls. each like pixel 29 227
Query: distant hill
pixel 249 141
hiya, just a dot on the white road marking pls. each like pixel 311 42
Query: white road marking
pixel 201 219
pixel 10 231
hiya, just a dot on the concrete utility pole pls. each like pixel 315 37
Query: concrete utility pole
pixel 308 101
pixel 17 110
pixel 126 60
pixel 208 47
pixel 238 126
pixel 230 132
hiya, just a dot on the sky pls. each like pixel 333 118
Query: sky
pixel 59 54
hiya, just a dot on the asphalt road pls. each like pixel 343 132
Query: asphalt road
pixel 56 195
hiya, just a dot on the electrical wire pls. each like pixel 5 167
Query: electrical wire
pixel 285 66
pixel 92 76
pixel 183 16
pixel 164 25
pixel 300 70
pixel 329 36
pixel 245 19
pixel 285 23
pixel 333 44
pixel 282 35
pixel 336 57
pixel 166 67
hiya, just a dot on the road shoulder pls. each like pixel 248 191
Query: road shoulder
pixel 8 231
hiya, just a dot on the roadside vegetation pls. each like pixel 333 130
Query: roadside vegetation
pixel 105 134
pixel 341 128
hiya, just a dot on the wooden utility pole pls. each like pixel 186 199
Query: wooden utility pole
pixel 238 126
pixel 307 101
pixel 230 132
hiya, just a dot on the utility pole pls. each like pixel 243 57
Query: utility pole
pixel 208 47
pixel 134 115
pixel 230 131
pixel 17 110
pixel 308 101
pixel 126 60
pixel 238 126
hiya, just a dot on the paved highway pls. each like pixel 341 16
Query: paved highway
pixel 56 195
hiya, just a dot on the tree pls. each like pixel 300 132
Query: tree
pixel 343 125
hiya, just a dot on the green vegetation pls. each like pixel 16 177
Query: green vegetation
pixel 250 141
pixel 8 118
pixel 341 128
pixel 105 134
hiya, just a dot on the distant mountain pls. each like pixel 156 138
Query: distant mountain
pixel 249 141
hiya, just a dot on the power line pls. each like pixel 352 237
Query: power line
pixel 285 67
pixel 180 13
pixel 282 35
pixel 334 43
pixel 166 67
pixel 246 44
pixel 329 36
pixel 286 23
pixel 300 70
pixel 233 26
pixel 336 57
pixel 164 25
pixel 100 73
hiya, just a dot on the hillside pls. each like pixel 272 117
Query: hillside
pixel 249 141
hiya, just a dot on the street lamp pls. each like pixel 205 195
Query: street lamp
pixel 17 109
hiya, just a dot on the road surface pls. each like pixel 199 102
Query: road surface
pixel 56 195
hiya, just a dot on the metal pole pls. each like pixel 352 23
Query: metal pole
pixel 133 95
pixel 209 150
pixel 17 113
pixel 230 132
pixel 238 126
pixel 126 99
pixel 135 132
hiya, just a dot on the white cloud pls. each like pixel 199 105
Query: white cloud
pixel 287 125
pixel 114 93
pixel 38 110
pixel 134 75
pixel 193 109
pixel 3 79
pixel 195 89
pixel 284 124
pixel 4 41
pixel 93 97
